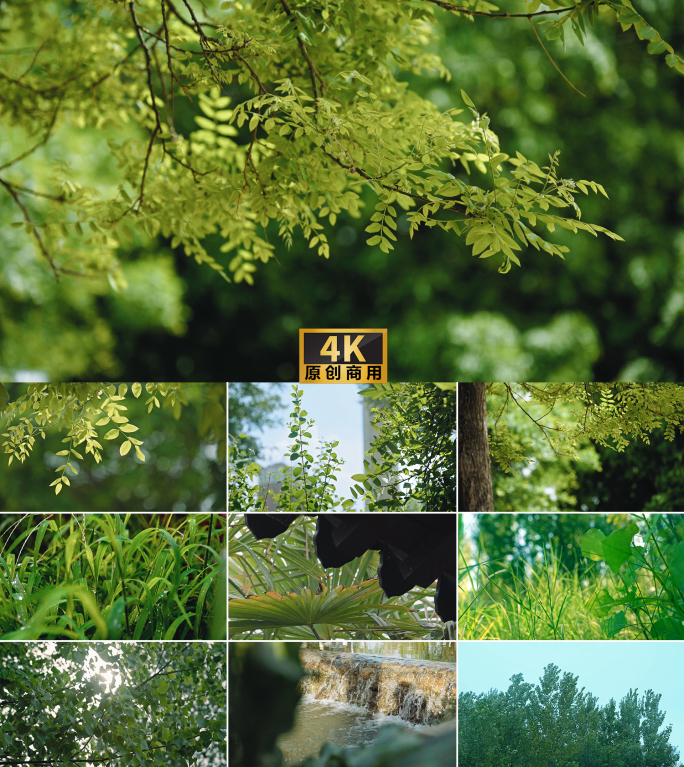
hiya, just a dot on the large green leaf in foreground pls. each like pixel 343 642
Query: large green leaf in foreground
pixel 615 550
pixel 345 607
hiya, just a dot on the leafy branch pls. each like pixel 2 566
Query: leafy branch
pixel 324 121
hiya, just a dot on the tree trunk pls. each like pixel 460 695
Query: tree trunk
pixel 474 464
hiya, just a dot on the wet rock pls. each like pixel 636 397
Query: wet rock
pixel 417 691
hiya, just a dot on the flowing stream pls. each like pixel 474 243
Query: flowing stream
pixel 349 696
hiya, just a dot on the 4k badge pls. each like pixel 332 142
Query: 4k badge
pixel 342 355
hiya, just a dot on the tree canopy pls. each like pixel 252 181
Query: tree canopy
pixel 543 432
pixel 327 116
pixel 150 703
pixel 168 177
pixel 555 722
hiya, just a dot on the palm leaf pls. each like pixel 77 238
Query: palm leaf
pixel 343 607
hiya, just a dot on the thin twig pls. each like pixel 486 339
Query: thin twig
pixel 147 162
pixel 148 64
pixel 42 142
pixel 33 61
pixel 360 172
pixel 305 53
pixel 34 228
pixel 26 190
pixel 204 44
pixel 174 77
pixel 467 12
pixel 157 117
pixel 552 61
pixel 262 88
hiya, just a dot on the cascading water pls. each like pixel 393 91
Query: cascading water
pixel 348 697
pixel 415 690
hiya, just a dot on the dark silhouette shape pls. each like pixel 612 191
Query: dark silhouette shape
pixel 415 549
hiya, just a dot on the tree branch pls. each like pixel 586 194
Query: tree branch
pixel 255 77
pixel 557 68
pixel 42 142
pixel 468 12
pixel 34 228
pixel 312 70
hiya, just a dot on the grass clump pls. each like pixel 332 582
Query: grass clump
pixel 501 599
pixel 111 576
pixel 629 584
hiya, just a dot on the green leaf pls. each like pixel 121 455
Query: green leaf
pixel 617 547
pixel 467 100
pixel 614 624
pixel 675 561
pixel 115 618
pixel 629 16
pixel 667 628
pixel 647 33
pixel 592 544
pixel 342 606
pixel 497 159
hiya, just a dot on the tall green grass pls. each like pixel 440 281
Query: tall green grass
pixel 499 599
pixel 111 576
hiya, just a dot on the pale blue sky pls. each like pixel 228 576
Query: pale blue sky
pixel 338 413
pixel 605 669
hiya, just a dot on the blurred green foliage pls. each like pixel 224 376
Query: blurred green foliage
pixel 531 537
pixel 550 478
pixel 263 684
pixel 643 478
pixel 643 474
pixel 612 310
pixel 182 470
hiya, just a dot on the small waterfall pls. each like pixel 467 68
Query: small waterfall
pixel 417 691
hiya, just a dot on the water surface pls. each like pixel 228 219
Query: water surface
pixel 323 721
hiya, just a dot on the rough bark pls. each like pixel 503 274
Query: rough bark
pixel 474 464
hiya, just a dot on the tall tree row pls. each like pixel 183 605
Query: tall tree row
pixel 556 724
